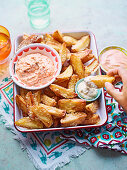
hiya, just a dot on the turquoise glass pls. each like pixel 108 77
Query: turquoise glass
pixel 39 13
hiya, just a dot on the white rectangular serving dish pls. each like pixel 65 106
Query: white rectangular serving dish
pixel 101 111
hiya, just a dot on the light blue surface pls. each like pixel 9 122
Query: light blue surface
pixel 107 20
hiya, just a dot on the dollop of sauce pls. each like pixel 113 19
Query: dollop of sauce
pixel 35 69
pixel 87 89
pixel 113 58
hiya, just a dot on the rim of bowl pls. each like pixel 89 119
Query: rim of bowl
pixel 35 45
pixel 109 48
pixel 80 96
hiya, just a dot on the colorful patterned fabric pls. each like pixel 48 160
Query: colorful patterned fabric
pixel 49 150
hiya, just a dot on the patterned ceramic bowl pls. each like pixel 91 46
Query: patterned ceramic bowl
pixel 104 71
pixel 35 48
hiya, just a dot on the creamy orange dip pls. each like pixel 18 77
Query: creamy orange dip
pixel 35 69
pixel 113 58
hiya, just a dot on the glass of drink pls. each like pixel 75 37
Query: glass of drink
pixel 39 13
pixel 5 44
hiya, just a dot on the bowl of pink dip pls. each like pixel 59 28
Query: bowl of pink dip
pixel 35 66
pixel 112 57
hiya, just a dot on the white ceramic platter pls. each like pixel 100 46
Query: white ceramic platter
pixel 102 110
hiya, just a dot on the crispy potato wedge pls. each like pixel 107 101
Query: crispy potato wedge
pixel 61 91
pixel 66 74
pixel 57 35
pixel 65 65
pixel 81 44
pixel 99 80
pixel 83 54
pixel 47 91
pixel 29 99
pixel 42 114
pixel 48 100
pixel 63 53
pixel 58 113
pixel 72 105
pixel 92 107
pixel 54 45
pixel 37 97
pixel 21 104
pixel 91 68
pixel 63 83
pixel 92 120
pixel 73 80
pixel 77 66
pixel 73 119
pixel 49 38
pixel 69 41
pixel 30 39
pixel 28 123
pixel 23 92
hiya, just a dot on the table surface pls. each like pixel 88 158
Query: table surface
pixel 107 20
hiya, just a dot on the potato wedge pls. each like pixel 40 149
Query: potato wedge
pixel 81 44
pixel 63 53
pixel 28 123
pixel 63 83
pixel 66 74
pixel 21 104
pixel 57 35
pixel 85 55
pixel 53 111
pixel 29 99
pixel 42 114
pixel 47 91
pixel 73 119
pixel 61 91
pixel 69 41
pixel 92 120
pixel 100 80
pixel 30 39
pixel 48 100
pixel 91 68
pixel 54 45
pixel 77 66
pixel 92 107
pixel 37 97
pixel 23 92
pixel 72 105
pixel 49 38
pixel 73 80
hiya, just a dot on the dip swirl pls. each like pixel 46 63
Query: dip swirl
pixel 87 89
pixel 35 69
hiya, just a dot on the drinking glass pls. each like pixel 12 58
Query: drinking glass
pixel 5 44
pixel 39 13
